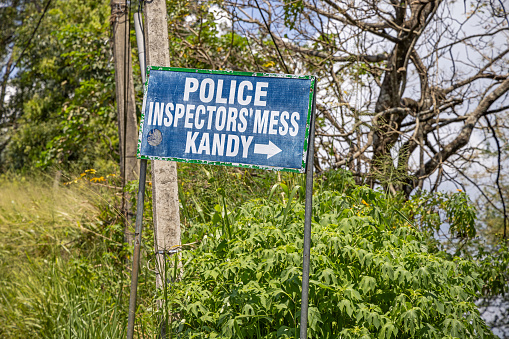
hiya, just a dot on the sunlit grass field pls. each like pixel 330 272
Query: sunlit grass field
pixel 58 276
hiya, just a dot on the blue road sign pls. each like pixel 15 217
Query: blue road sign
pixel 255 120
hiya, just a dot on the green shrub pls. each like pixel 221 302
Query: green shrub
pixel 372 275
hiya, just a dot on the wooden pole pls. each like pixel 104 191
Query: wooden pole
pixel 164 173
pixel 126 108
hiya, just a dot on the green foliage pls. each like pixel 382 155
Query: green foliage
pixel 385 172
pixel 64 92
pixel 495 270
pixel 372 275
pixel 199 38
pixel 452 214
pixel 90 112
pixel 200 185
pixel 449 221
pixel 292 9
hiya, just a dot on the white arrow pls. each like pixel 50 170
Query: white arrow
pixel 269 149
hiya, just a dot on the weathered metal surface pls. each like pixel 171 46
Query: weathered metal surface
pixel 257 120
pixel 308 214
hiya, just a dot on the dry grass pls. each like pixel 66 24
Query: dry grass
pixel 35 215
pixel 53 273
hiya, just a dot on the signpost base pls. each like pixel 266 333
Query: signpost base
pixel 137 247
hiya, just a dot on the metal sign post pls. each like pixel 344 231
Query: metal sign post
pixel 241 119
pixel 137 247
pixel 308 214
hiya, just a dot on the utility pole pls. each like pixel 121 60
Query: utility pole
pixel 126 108
pixel 164 173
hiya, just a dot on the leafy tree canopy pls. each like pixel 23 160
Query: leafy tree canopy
pixel 62 111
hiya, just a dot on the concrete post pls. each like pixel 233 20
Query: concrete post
pixel 164 173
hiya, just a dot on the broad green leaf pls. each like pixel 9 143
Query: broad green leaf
pixel 352 294
pixel 346 305
pixel 388 331
pixel 367 284
pixel 314 318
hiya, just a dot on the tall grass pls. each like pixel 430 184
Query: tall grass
pixel 34 216
pixel 59 277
